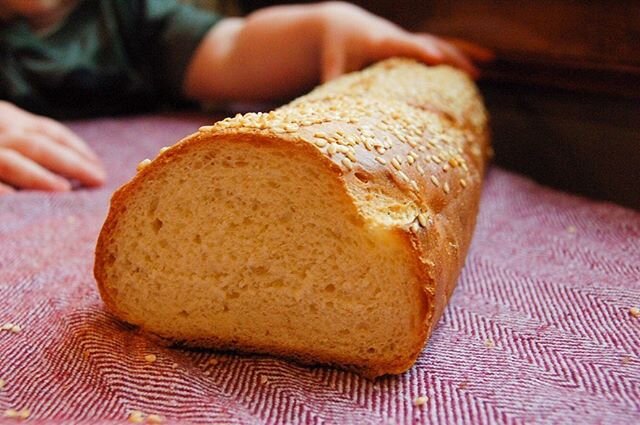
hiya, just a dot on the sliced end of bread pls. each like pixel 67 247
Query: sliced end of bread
pixel 253 243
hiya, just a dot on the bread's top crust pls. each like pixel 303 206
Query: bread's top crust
pixel 415 133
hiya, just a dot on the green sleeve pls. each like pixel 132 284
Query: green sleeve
pixel 171 32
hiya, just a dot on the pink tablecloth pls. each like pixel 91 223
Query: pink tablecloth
pixel 539 329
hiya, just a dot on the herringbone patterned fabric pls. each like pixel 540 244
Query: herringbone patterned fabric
pixel 539 329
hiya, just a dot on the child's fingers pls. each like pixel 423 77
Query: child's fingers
pixel 57 158
pixel 333 61
pixel 459 59
pixel 473 50
pixel 66 137
pixel 451 55
pixel 429 50
pixel 409 46
pixel 4 189
pixel 19 171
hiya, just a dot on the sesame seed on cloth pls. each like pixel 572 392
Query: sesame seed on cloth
pixel 420 401
pixel 557 305
pixel 11 327
pixel 150 358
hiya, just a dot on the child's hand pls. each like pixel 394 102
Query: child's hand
pixel 281 51
pixel 35 152
pixel 353 38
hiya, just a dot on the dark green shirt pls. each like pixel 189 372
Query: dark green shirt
pixel 107 57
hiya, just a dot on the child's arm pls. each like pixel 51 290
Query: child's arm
pixel 279 52
pixel 35 151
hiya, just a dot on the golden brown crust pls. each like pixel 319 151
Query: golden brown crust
pixel 379 137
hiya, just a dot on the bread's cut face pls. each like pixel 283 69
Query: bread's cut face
pixel 255 244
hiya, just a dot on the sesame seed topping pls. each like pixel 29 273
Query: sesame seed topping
pixel 395 164
pixel 420 401
pixel 263 379
pixel 423 219
pixel 635 312
pixel 463 183
pixel 435 181
pixel 381 118
pixel 205 128
pixel 414 185
pixel 164 149
pixel 446 188
pixel 403 176
pixel 347 163
pixel 150 358
pixel 143 164
pixel 414 227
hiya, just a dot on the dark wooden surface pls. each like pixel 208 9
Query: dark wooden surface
pixel 579 45
pixel 579 142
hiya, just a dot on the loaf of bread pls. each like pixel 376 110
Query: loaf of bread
pixel 331 230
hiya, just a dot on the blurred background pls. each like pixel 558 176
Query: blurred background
pixel 564 91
